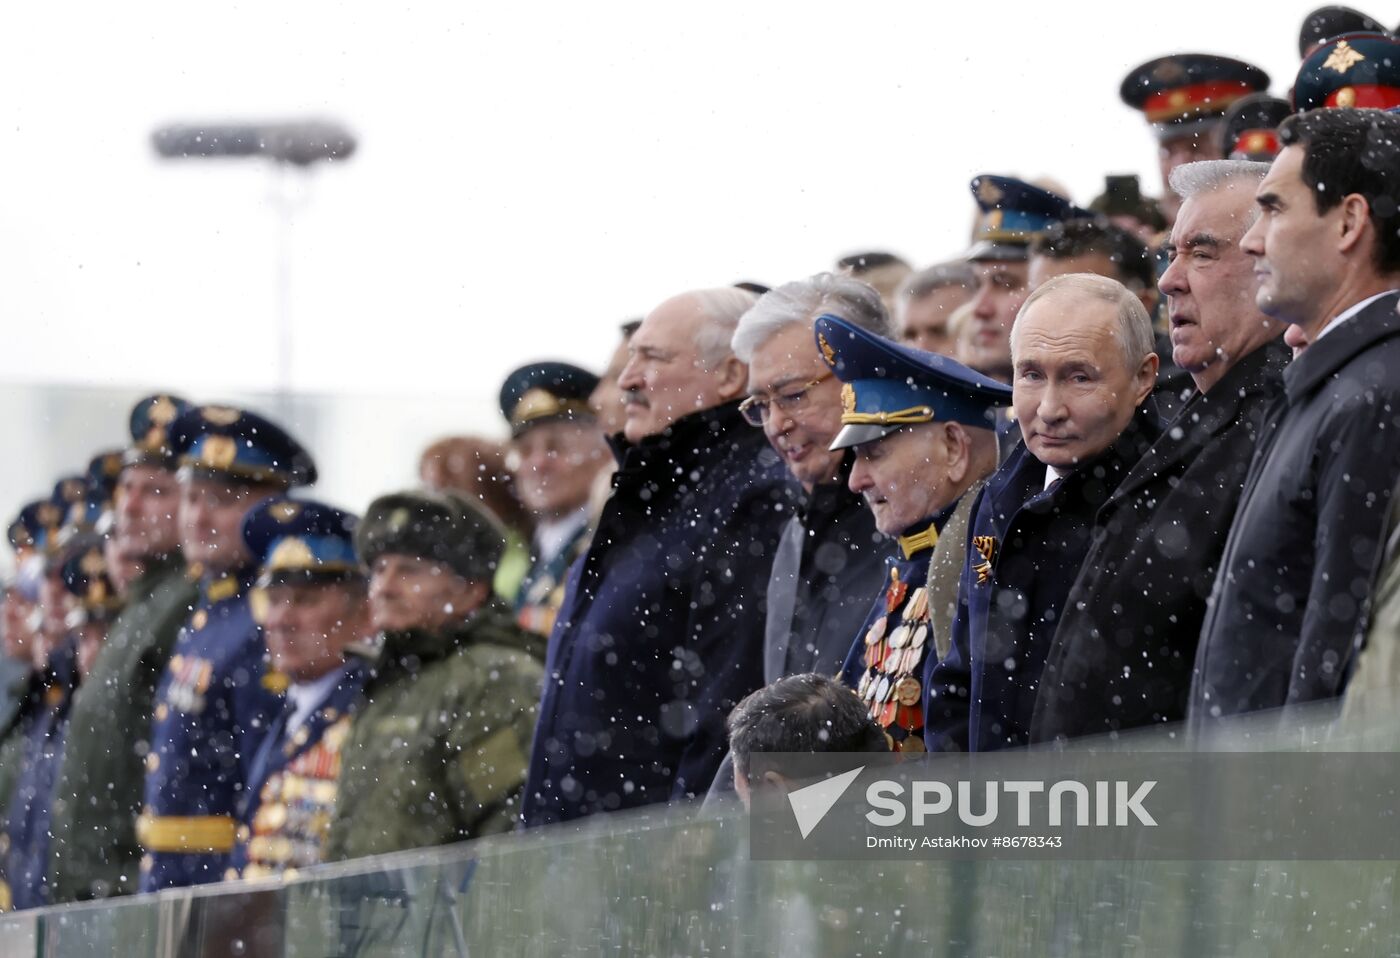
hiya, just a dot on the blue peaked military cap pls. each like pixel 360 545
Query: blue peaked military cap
pixel 36 526
pixel 85 576
pixel 542 392
pixel 889 386
pixel 150 429
pixel 228 443
pixel 1014 214
pixel 300 540
pixel 1360 70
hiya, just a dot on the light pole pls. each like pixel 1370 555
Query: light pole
pixel 294 149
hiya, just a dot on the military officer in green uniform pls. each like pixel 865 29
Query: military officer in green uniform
pixel 94 852
pixel 437 749
pixel 557 448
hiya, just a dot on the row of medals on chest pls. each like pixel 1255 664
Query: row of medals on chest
pixel 891 655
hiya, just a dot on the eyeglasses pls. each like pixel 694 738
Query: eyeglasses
pixel 755 409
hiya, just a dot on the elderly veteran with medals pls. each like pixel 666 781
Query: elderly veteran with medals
pixel 437 748
pixel 311 597
pixel 921 428
pixel 215 700
pixel 556 451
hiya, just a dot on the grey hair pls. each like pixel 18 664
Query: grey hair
pixel 800 302
pixel 1134 325
pixel 1206 176
pixel 956 272
pixel 721 308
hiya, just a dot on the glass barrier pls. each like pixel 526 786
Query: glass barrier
pixel 680 882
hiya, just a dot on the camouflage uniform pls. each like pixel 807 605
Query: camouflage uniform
pixel 436 753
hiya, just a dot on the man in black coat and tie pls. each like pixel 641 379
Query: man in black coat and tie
pixel 1124 648
pixel 1295 578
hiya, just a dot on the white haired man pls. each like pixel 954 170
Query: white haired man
pixel 1123 652
pixel 1084 369
pixel 660 633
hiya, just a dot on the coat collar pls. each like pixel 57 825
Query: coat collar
pixel 1205 415
pixel 923 535
pixel 688 439
pixel 1330 353
pixel 408 649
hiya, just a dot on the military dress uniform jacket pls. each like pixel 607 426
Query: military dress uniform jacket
pixel 436 750
pixel 829 565
pixel 1027 543
pixel 661 632
pixel 1124 649
pixel 24 847
pixel 542 590
pixel 95 853
pixel 13 723
pixel 286 808
pixel 1290 595
pixel 212 710
pixel 887 658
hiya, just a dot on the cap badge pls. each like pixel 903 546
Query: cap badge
pixel 217 452
pixel 848 398
pixel 162 411
pixel 1342 58
pixel 291 553
pixel 535 404
pixel 989 193
pixel 398 519
pixel 284 511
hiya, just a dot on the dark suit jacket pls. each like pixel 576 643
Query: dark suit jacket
pixel 1123 651
pixel 1296 573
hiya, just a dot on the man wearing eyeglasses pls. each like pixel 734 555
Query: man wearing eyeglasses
pixel 830 559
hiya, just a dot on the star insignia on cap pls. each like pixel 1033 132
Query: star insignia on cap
pixel 1342 58
pixel 284 512
pixel 989 193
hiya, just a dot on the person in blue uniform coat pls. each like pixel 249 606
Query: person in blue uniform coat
pixel 79 565
pixel 1084 372
pixel 311 597
pixel 661 630
pixel 921 427
pixel 216 699
pixel 556 451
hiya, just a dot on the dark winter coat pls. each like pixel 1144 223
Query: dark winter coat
pixel 661 630
pixel 1027 543
pixel 829 566
pixel 1295 576
pixel 1123 652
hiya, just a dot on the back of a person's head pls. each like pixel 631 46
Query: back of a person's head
pixel 801 713
pixel 474 467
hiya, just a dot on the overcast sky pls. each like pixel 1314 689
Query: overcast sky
pixel 529 175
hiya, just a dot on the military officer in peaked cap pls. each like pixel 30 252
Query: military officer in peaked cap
pixel 1184 97
pixel 1013 214
pixel 436 752
pixel 557 449
pixel 215 700
pixel 1250 130
pixel 94 851
pixel 311 597
pixel 921 427
pixel 1360 70
pixel 83 571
